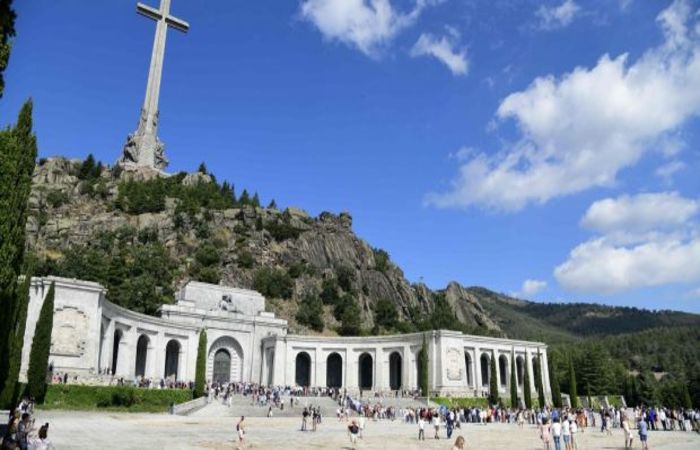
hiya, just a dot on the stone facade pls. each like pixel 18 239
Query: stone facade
pixel 92 336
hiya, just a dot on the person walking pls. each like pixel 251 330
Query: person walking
pixel 556 433
pixel 353 431
pixel 566 433
pixel 545 433
pixel 627 430
pixel 459 443
pixel 240 430
pixel 421 427
pixel 643 433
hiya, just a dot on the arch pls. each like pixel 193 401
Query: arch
pixel 395 371
pixel 503 369
pixel 172 359
pixel 302 371
pixel 366 371
pixel 334 370
pixel 115 350
pixel 468 364
pixel 520 369
pixel 485 363
pixel 222 366
pixel 234 350
pixel 142 355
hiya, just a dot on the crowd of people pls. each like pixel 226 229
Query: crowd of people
pixel 22 433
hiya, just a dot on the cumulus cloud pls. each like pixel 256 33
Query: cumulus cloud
pixel 554 17
pixel 443 49
pixel 531 287
pixel 367 25
pixel 646 240
pixel 668 170
pixel 579 130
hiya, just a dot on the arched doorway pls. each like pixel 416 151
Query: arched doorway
pixel 468 365
pixel 334 370
pixel 115 350
pixel 484 362
pixel 172 359
pixel 235 357
pixel 519 368
pixel 395 371
pixel 302 372
pixel 366 370
pixel 503 369
pixel 141 355
pixel 222 366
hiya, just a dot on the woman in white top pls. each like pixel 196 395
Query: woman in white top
pixel 574 429
pixel 436 424
pixel 566 434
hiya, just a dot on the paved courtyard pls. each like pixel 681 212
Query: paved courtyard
pixel 91 430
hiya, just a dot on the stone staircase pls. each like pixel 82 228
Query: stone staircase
pixel 240 406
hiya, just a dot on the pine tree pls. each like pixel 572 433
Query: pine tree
pixel 201 367
pixel 539 381
pixel 272 205
pixel 41 346
pixel 573 394
pixel 527 391
pixel 17 160
pixel 423 365
pixel 493 382
pixel 202 168
pixel 554 383
pixel 256 200
pixel 685 396
pixel 513 382
pixel 245 198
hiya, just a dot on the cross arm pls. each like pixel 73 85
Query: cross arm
pixel 148 11
pixel 178 24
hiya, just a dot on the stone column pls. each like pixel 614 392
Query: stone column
pixel 545 376
pixel 477 371
pixel 351 368
pixel 528 361
pixel 406 372
pixel 108 346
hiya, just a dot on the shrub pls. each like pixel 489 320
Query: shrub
pixel 113 398
pixel 381 259
pixel 274 283
pixel 281 231
pixel 346 277
pixel 310 312
pixel 245 259
pixel 55 198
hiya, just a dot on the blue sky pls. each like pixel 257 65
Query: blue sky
pixel 489 142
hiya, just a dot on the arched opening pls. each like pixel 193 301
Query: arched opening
pixel 503 369
pixel 395 371
pixel 115 350
pixel 365 368
pixel 222 367
pixel 484 362
pixel 302 373
pixel 520 369
pixel 141 355
pixel 235 359
pixel 334 371
pixel 468 365
pixel 172 359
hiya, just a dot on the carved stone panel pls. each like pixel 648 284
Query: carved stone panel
pixel 69 333
pixel 454 364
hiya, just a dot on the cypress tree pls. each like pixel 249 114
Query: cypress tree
pixel 573 394
pixel 423 364
pixel 41 345
pixel 687 402
pixel 554 383
pixel 10 391
pixel 17 159
pixel 527 392
pixel 539 381
pixel 201 367
pixel 493 382
pixel 513 383
pixel 7 30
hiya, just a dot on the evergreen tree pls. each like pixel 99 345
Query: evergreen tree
pixel 41 346
pixel 573 394
pixel 493 382
pixel 245 198
pixel 527 391
pixel 10 391
pixel 17 159
pixel 686 401
pixel 423 368
pixel 256 200
pixel 539 382
pixel 201 367
pixel 554 383
pixel 272 205
pixel 513 382
pixel 350 319
pixel 202 168
pixel 385 314
pixel 7 30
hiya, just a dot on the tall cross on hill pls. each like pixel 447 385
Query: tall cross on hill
pixel 143 148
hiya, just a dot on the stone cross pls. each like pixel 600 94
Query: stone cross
pixel 143 148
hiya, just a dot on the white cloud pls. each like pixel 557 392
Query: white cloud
pixel 557 16
pixel 640 213
pixel 367 25
pixel 647 240
pixel 694 293
pixel 444 50
pixel 531 287
pixel 669 169
pixel 579 130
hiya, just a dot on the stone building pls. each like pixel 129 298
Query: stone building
pixel 98 340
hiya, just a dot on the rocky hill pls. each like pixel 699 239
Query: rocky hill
pixel 143 234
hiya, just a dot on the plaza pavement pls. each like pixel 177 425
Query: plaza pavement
pixel 105 431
